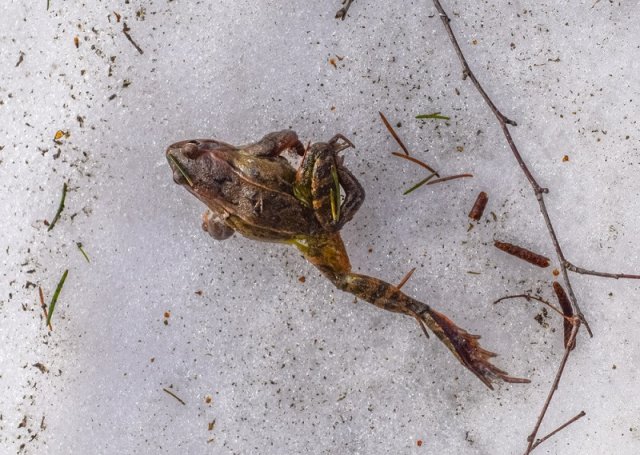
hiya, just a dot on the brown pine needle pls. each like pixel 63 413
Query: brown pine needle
pixel 44 306
pixel 393 133
pixel 417 161
pixel 175 396
pixel 451 177
pixel 406 278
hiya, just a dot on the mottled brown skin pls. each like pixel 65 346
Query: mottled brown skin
pixel 253 190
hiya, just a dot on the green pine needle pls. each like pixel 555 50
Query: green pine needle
pixel 435 115
pixel 54 299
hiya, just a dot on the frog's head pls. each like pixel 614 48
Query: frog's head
pixel 199 166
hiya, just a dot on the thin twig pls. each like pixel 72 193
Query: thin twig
pixel 617 276
pixel 530 297
pixel 126 30
pixel 537 189
pixel 342 12
pixel 554 386
pixel 174 396
pixel 560 428
pixel 394 134
pixel 60 207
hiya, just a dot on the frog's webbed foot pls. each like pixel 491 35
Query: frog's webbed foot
pixel 273 144
pixel 466 348
pixel 214 224
pixel 463 345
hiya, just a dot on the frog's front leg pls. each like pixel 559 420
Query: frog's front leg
pixel 273 144
pixel 214 224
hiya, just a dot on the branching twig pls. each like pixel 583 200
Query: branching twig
pixel 342 12
pixel 617 276
pixel 560 428
pixel 537 189
pixel 530 297
pixel 554 386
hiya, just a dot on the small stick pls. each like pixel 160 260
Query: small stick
pixel 60 207
pixel 54 299
pixel 554 386
pixel 406 278
pixel 522 253
pixel 174 396
pixel 616 276
pixel 417 161
pixel 126 30
pixel 342 12
pixel 478 207
pixel 393 133
pixel 530 297
pixel 560 428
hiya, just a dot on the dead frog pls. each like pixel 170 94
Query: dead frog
pixel 253 190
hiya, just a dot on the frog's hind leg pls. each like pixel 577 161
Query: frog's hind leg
pixel 462 344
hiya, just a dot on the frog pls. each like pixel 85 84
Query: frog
pixel 255 190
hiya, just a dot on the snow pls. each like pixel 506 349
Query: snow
pixel 294 367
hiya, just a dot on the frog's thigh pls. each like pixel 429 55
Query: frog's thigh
pixel 215 226
pixel 274 144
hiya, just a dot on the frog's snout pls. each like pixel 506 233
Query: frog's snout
pixel 181 156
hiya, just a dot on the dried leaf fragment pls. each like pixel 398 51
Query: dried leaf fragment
pixel 523 253
pixel 478 207
pixel 567 309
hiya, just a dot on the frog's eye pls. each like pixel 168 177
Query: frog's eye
pixel 192 150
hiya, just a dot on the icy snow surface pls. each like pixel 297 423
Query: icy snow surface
pixel 295 367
